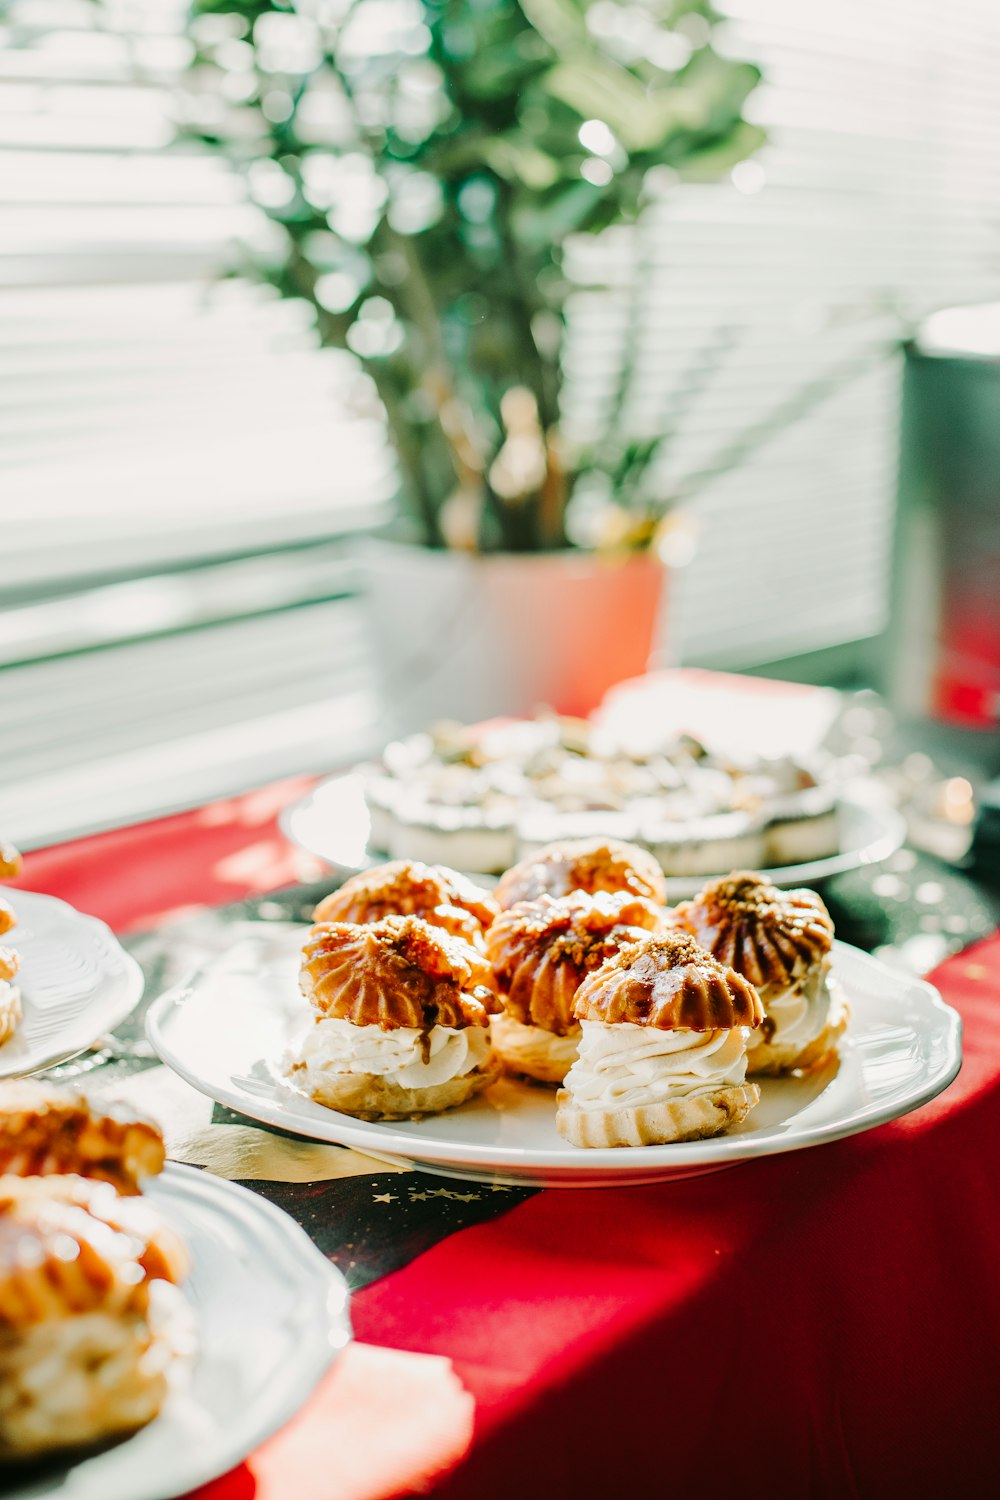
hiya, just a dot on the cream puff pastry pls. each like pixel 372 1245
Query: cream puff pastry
pixel 662 1048
pixel 91 1321
pixel 407 888
pixel 589 865
pixel 402 1019
pixel 541 952
pixel 780 941
pixel 48 1130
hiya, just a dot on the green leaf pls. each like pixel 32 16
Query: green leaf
pixel 710 162
pixel 641 117
pixel 561 22
pixel 514 158
pixel 548 223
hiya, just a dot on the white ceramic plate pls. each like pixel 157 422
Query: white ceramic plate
pixel 228 1028
pixel 271 1315
pixel 76 983
pixel 332 822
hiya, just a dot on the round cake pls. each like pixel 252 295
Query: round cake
pixel 484 797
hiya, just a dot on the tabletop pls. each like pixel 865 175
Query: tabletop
pixel 497 1327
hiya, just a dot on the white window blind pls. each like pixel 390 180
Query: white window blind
pixel 149 408
pixel 160 420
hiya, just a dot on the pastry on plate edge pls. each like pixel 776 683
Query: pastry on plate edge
pixel 10 962
pixel 91 1318
pixel 93 1326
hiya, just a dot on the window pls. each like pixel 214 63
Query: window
pixel 161 415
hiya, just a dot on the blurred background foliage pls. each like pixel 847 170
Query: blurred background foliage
pixel 423 162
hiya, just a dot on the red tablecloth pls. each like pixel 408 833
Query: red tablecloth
pixel 821 1324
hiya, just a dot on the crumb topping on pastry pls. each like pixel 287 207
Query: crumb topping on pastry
pixel 10 962
pixel 49 1130
pixel 542 950
pixel 670 982
pixel 401 971
pixel 768 935
pixel 443 897
pixel 68 1246
pixel 589 865
pixel 7 917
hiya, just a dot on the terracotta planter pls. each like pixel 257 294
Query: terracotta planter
pixel 464 637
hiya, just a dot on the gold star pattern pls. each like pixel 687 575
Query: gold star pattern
pixel 418 1197
pixel 448 1193
pixel 384 1198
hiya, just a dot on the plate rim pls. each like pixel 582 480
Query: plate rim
pixel 198 1183
pixel 879 848
pixel 133 979
pixel 335 1308
pixel 607 1162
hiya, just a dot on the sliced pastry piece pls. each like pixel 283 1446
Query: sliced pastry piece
pixel 92 1323
pixel 10 995
pixel 662 1049
pixel 407 888
pixel 583 865
pixel 541 952
pixel 402 1019
pixel 780 941
pixel 50 1130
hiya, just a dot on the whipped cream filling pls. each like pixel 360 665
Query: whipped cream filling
pixel 626 1066
pixel 560 1051
pixel 338 1046
pixel 797 1015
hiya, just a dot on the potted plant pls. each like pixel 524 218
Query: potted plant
pixel 425 162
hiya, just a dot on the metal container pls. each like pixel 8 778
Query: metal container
pixel 943 657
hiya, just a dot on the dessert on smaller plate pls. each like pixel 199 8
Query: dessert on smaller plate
pixel 402 1019
pixel 780 941
pixel 541 952
pixel 93 1326
pixel 407 888
pixel 589 865
pixel 662 1052
pixel 47 1130
pixel 91 1318
pixel 10 995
